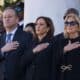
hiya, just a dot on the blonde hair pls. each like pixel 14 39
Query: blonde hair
pixel 77 18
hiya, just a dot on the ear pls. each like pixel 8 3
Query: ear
pixel 17 20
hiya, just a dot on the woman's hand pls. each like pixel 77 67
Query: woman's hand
pixel 70 46
pixel 40 47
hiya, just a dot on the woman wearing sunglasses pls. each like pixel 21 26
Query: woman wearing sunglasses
pixel 68 50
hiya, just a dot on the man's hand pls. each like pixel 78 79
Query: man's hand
pixel 10 46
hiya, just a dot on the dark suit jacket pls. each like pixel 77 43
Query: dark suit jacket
pixel 12 62
pixel 21 26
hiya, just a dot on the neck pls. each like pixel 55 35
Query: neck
pixel 73 35
pixel 40 37
pixel 10 29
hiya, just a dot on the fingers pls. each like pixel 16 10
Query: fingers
pixel 76 42
pixel 76 45
pixel 11 46
pixel 44 45
pixel 69 42
pixel 40 47
pixel 15 43
pixel 70 46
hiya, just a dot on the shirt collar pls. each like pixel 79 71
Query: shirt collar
pixel 12 32
pixel 21 22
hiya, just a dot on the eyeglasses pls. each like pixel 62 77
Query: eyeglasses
pixel 72 23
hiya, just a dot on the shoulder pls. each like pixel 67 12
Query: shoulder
pixel 23 33
pixel 23 36
pixel 59 37
pixel 27 34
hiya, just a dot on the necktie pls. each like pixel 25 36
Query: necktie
pixel 8 39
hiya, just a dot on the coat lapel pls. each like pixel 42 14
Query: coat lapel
pixel 16 36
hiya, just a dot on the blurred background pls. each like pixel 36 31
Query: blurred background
pixel 19 7
pixel 52 8
pixel 5 3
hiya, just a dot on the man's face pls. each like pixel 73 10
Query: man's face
pixel 9 18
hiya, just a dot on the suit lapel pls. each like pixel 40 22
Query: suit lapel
pixel 17 33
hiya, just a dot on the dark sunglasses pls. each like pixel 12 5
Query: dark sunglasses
pixel 72 23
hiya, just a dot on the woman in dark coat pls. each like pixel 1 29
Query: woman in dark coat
pixel 68 50
pixel 40 68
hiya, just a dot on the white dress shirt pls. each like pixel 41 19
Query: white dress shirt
pixel 12 32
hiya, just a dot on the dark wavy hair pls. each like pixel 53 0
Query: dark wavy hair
pixel 49 23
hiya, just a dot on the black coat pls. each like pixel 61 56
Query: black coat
pixel 40 68
pixel 70 59
pixel 12 62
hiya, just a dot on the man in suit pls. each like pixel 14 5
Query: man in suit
pixel 12 50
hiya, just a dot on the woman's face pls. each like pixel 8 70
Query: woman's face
pixel 41 27
pixel 71 25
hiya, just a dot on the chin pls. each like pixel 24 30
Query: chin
pixel 71 32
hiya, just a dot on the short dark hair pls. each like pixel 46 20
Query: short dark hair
pixel 71 10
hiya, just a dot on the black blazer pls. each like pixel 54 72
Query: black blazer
pixel 58 53
pixel 12 62
pixel 40 68
pixel 71 58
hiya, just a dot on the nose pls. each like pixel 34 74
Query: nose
pixel 69 25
